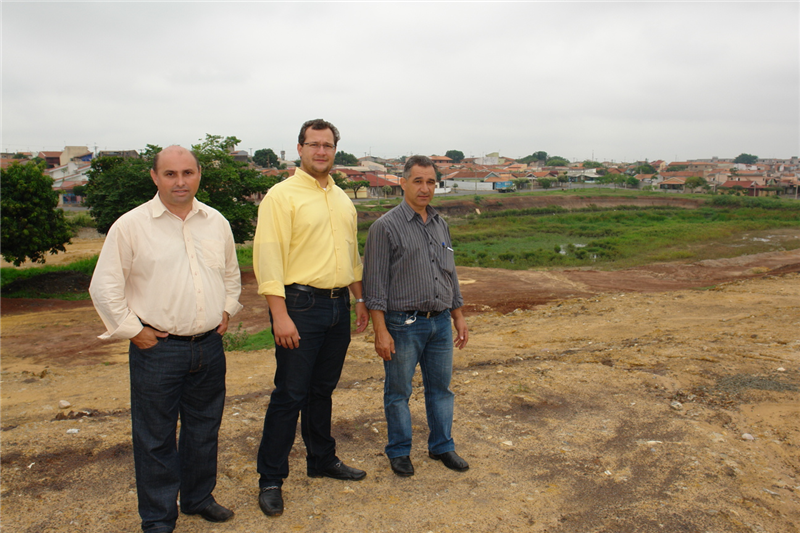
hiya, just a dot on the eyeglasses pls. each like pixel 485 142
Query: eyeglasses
pixel 315 146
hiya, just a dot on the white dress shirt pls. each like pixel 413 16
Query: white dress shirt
pixel 175 275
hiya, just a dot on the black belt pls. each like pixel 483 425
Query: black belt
pixel 425 314
pixel 328 293
pixel 186 338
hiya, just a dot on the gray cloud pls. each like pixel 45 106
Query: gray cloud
pixel 617 80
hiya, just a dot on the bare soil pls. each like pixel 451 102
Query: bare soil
pixel 660 398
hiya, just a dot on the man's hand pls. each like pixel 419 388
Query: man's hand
pixel 384 344
pixel 283 328
pixel 462 332
pixel 147 338
pixel 285 332
pixel 223 326
pixel 362 317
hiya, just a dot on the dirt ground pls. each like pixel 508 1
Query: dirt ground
pixel 664 398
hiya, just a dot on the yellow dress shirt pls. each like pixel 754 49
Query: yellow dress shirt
pixel 175 275
pixel 306 235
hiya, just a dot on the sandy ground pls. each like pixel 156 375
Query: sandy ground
pixel 659 399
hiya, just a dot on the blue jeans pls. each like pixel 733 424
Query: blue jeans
pixel 176 379
pixel 429 342
pixel 305 378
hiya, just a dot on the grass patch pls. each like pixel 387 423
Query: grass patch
pixel 61 282
pixel 242 341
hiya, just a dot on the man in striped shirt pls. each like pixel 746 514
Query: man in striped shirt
pixel 411 289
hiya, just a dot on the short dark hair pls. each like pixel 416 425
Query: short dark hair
pixel 155 159
pixel 417 161
pixel 318 124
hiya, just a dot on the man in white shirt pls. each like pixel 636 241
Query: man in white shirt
pixel 168 280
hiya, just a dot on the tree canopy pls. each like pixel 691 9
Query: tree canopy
pixel 266 158
pixel 118 185
pixel 592 164
pixel 557 161
pixel 456 155
pixel 535 156
pixel 746 159
pixel 32 224
pixel 343 158
pixel 645 169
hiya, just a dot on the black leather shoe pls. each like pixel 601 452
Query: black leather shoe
pixel 402 466
pixel 214 512
pixel 271 501
pixel 451 460
pixel 339 471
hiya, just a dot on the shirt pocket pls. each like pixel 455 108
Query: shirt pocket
pixel 213 253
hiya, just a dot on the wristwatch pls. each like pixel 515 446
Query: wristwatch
pixel 359 300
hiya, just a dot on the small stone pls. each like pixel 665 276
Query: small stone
pixel 748 436
pixel 63 404
pixel 508 443
pixel 72 431
pixel 676 405
pixel 781 369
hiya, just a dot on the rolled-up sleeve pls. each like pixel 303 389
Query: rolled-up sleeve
pixel 377 254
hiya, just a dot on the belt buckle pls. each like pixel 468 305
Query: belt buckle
pixel 333 294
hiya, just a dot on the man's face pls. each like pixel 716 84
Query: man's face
pixel 317 160
pixel 419 186
pixel 177 178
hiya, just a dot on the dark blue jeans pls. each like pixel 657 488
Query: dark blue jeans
pixel 427 342
pixel 305 378
pixel 170 380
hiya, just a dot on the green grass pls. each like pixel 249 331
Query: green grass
pixel 607 238
pixel 9 275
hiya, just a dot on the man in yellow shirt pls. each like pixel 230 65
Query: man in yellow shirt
pixel 306 261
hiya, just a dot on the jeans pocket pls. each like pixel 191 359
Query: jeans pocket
pixel 397 320
pixel 299 301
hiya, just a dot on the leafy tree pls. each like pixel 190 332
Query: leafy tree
pixel 592 164
pixel 355 185
pixel 521 183
pixel 557 161
pixel 456 155
pixel 297 163
pixel 79 190
pixel 340 179
pixel 677 168
pixel 387 190
pixel 694 182
pixel 343 158
pixel 746 159
pixel 619 179
pixel 118 185
pixel 632 182
pixel 535 156
pixel 545 183
pixel 266 158
pixel 562 179
pixel 32 224
pixel 645 169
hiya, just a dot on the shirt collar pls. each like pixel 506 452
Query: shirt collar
pixel 158 207
pixel 310 181
pixel 409 212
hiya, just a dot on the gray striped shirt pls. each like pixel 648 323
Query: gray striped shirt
pixel 408 264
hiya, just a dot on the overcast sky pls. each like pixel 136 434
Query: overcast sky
pixel 614 81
